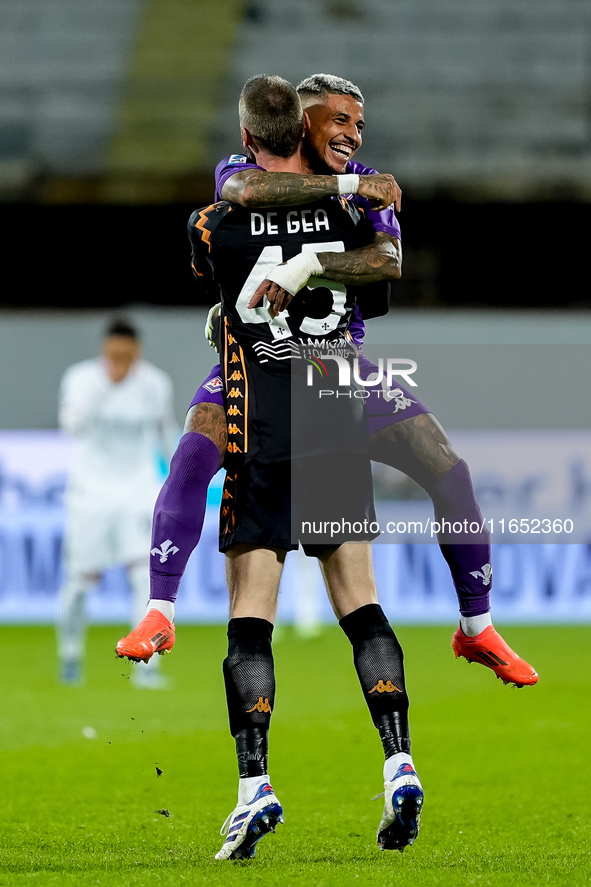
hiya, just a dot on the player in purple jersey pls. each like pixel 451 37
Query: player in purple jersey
pixel 403 434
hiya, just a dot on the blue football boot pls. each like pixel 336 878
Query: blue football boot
pixel 248 823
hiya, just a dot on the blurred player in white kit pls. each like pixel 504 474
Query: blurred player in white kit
pixel 119 409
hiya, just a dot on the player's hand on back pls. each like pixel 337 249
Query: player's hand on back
pixel 285 280
pixel 278 298
pixel 382 189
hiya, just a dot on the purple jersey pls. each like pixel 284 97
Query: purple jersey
pixel 228 167
pixel 357 326
pixel 385 220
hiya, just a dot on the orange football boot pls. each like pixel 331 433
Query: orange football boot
pixel 488 648
pixel 154 634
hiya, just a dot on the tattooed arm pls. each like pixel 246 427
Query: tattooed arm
pixel 259 188
pixel 380 260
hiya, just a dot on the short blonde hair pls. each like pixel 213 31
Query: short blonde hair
pixel 270 109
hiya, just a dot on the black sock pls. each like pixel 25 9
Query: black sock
pixel 378 660
pixel 250 691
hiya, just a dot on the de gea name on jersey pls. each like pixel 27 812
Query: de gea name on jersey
pixel 296 220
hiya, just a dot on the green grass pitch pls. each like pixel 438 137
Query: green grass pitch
pixel 506 772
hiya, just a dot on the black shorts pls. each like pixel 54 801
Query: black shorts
pixel 275 415
pixel 320 501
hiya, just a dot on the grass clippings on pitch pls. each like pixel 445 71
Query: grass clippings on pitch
pixel 108 784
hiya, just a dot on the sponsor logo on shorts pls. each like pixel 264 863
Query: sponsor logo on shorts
pixel 485 573
pixel 384 687
pixel 215 384
pixel 262 705
pixel 165 549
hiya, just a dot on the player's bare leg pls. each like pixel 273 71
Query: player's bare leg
pixel 420 448
pixel 253 576
pixel 71 625
pixel 378 661
pixel 177 526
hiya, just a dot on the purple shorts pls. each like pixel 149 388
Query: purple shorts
pixel 385 406
pixel 211 390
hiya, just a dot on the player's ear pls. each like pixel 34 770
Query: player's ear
pixel 247 139
pixel 307 123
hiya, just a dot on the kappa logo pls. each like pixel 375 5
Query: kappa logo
pixel 214 385
pixel 165 549
pixel 397 396
pixel 485 573
pixel 234 411
pixel 384 687
pixel 233 429
pixel 261 705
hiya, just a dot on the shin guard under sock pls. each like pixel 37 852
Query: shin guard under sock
pixel 180 512
pixel 249 677
pixel 379 664
pixel 467 553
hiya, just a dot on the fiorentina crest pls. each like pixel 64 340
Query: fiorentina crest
pixel 165 549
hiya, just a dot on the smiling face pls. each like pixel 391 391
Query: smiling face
pixel 334 124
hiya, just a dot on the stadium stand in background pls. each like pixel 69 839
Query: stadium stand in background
pixel 102 99
pixel 113 114
pixel 486 98
pixel 483 98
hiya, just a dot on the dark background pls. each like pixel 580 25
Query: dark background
pixel 494 255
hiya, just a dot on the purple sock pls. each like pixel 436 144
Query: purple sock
pixel 179 513
pixel 467 553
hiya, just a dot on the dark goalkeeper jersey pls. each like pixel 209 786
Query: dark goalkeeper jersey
pixel 372 301
pixel 235 248
pixel 265 359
